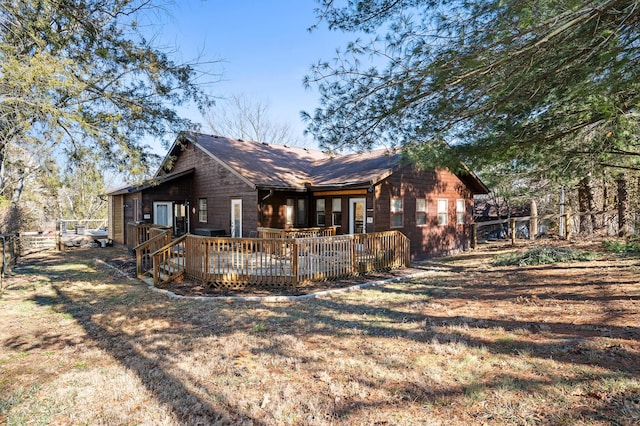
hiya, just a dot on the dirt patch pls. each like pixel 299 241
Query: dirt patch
pixel 185 287
pixel 121 260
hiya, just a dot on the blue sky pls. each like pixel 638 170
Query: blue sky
pixel 264 46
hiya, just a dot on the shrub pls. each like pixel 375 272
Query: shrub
pixel 542 255
pixel 630 246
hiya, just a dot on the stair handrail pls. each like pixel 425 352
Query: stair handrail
pixel 151 240
pixel 170 244
pixel 140 248
pixel 156 261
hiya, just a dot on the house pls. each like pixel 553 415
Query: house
pixel 213 185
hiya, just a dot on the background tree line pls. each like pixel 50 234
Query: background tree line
pixel 533 95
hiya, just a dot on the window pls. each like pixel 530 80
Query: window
pixel 460 212
pixel 320 212
pixel 289 211
pixel 336 211
pixel 443 215
pixel 302 212
pixel 421 211
pixel 202 210
pixel 397 214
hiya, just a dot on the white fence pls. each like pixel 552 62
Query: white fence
pixel 563 226
pixel 37 240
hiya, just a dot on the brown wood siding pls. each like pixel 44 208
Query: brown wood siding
pixel 431 239
pixel 219 186
pixel 116 219
pixel 128 209
pixel 177 191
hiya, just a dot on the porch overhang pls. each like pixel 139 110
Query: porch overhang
pixel 350 188
pixel 150 183
pixel 281 188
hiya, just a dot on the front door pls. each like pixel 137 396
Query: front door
pixel 163 213
pixel 236 218
pixel 356 216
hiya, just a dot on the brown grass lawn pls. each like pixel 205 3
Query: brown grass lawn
pixel 469 344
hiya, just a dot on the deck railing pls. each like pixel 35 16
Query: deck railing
pixel 138 233
pixel 74 226
pixel 238 262
pixel 277 262
pixel 297 232
pixel 381 250
pixel 329 258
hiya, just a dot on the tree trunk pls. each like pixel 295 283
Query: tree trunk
pixel 585 204
pixel 533 224
pixel 561 224
pixel 605 199
pixel 17 190
pixel 3 171
pixel 636 208
pixel 623 206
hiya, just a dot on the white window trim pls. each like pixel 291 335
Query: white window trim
pixel 290 212
pixel 445 212
pixel 426 216
pixel 398 213
pixel 205 210
pixel 335 211
pixel 460 212
pixel 323 211
pixel 236 231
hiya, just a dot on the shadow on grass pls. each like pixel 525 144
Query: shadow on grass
pixel 146 354
pixel 85 304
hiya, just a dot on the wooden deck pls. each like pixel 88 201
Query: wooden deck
pixel 270 262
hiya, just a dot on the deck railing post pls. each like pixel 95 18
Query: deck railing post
pixel 156 270
pixel 138 262
pixel 294 261
pixel 354 258
pixel 207 258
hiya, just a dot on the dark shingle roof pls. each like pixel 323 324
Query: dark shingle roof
pixel 271 166
pixel 278 166
pixel 363 168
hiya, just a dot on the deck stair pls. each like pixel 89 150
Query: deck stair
pixel 171 268
pixel 169 261
pixel 160 259
pixel 144 251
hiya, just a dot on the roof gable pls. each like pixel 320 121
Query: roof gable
pixel 260 164
pixel 149 183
